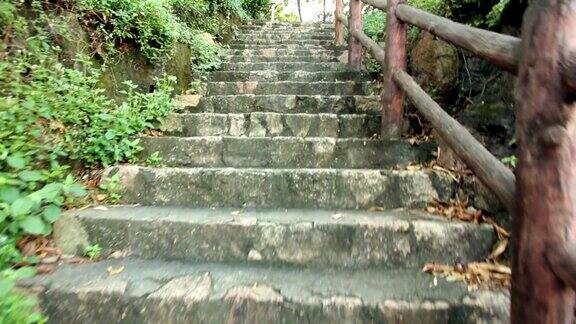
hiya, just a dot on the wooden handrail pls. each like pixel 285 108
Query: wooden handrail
pixel 375 50
pixel 355 24
pixel 501 50
pixel 544 250
pixel 488 168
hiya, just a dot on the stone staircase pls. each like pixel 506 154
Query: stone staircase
pixel 276 204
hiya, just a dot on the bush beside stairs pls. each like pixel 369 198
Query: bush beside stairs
pixel 275 203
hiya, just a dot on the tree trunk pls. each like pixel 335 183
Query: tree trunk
pixel 299 10
pixel 544 251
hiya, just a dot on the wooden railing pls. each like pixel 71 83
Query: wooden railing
pixel 543 200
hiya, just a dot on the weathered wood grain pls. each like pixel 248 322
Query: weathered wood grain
pixel 499 49
pixel 339 29
pixel 354 24
pixel 395 56
pixel 485 166
pixel 375 50
pixel 544 230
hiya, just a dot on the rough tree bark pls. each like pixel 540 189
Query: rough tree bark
pixel 392 96
pixel 354 45
pixel 339 32
pixel 544 251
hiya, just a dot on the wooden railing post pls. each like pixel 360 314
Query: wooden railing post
pixel 392 96
pixel 544 251
pixel 339 32
pixel 354 45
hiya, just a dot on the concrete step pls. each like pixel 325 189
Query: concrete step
pixel 287 58
pixel 290 104
pixel 151 292
pixel 294 237
pixel 281 52
pixel 259 124
pixel 284 152
pixel 281 188
pixel 274 76
pixel 294 46
pixel 283 66
pixel 290 88
pixel 301 42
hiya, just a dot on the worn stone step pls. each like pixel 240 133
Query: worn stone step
pixel 151 292
pixel 290 88
pixel 258 124
pixel 272 76
pixel 294 237
pixel 295 46
pixel 325 35
pixel 287 58
pixel 284 36
pixel 288 27
pixel 301 42
pixel 281 188
pixel 284 152
pixel 289 104
pixel 281 52
pixel 283 66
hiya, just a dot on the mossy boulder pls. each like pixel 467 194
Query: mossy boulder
pixel 434 65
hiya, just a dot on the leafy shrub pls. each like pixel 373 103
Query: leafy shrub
pixel 375 24
pixel 52 115
pixel 149 24
pixel 258 9
pixel 205 53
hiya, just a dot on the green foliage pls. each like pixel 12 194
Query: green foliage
pixel 112 188
pixel 511 161
pixel 495 15
pixel 205 53
pixel 258 9
pixel 93 251
pixel 154 160
pixel 16 308
pixel 375 24
pixel 150 24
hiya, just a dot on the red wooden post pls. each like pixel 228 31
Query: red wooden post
pixel 544 251
pixel 354 45
pixel 339 25
pixel 392 96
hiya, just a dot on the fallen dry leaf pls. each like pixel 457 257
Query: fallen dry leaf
pixel 375 209
pixel 475 274
pixel 114 271
pixel 337 216
pixel 499 249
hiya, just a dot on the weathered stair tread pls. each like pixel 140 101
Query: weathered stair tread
pixel 271 76
pixel 284 58
pixel 304 238
pixel 281 52
pixel 281 66
pixel 259 124
pixel 282 188
pixel 284 152
pixel 290 88
pixel 343 104
pixel 174 292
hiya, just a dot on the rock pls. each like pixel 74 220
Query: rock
pixel 434 65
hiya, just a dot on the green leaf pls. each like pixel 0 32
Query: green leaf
pixel 16 162
pixel 6 286
pixel 51 213
pixel 9 194
pixel 24 272
pixel 77 190
pixel 22 206
pixel 33 225
pixel 30 176
pixel 48 192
